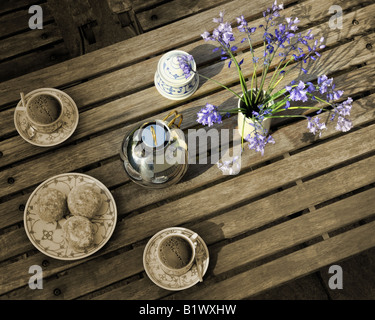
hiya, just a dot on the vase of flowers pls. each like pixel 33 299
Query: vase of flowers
pixel 262 99
pixel 247 125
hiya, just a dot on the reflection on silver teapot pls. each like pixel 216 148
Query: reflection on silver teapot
pixel 155 154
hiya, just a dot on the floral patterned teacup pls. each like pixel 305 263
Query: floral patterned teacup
pixel 176 253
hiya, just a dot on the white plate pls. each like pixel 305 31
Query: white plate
pixel 70 119
pixel 48 238
pixel 155 272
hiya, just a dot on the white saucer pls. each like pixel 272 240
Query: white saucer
pixel 71 117
pixel 158 276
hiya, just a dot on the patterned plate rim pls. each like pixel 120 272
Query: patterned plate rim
pixel 74 127
pixel 94 180
pixel 152 278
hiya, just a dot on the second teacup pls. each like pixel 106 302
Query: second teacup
pixel 176 253
pixel 44 111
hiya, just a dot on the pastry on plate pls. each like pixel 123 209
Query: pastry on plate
pixel 85 201
pixel 79 232
pixel 52 205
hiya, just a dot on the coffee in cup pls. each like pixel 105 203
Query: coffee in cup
pixel 176 253
pixel 44 111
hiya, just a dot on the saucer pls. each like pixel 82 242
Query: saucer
pixel 70 121
pixel 48 237
pixel 164 280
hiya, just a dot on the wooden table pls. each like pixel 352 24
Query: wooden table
pixel 306 204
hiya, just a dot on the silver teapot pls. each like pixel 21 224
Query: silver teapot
pixel 155 154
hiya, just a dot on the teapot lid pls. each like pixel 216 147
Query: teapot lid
pixel 154 134
pixel 169 68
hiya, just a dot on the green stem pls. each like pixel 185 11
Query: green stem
pixel 207 78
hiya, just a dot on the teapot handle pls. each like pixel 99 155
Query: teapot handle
pixel 176 116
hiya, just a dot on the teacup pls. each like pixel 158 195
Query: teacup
pixel 44 111
pixel 176 253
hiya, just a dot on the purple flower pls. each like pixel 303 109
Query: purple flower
pixel 324 83
pixel 297 93
pixel 345 107
pixel 184 62
pixel 209 115
pixel 242 25
pixel 206 36
pixel 220 19
pixel 343 124
pixel 342 109
pixel 315 126
pixel 258 142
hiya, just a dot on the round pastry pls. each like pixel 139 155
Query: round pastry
pixel 79 233
pixel 84 201
pixel 51 204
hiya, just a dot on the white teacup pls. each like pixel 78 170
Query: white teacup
pixel 44 111
pixel 176 253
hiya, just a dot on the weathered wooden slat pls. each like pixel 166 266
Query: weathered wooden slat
pixel 292 266
pixel 19 20
pixel 28 63
pixel 142 289
pixel 11 5
pixel 28 41
pixel 295 232
pixel 118 268
pixel 174 10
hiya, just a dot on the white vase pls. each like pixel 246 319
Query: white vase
pixel 246 125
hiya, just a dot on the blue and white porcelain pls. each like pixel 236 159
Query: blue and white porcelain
pixel 170 79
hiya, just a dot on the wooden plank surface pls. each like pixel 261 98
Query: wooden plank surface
pixel 175 10
pixel 19 20
pixel 160 217
pixel 289 267
pixel 123 53
pixel 28 41
pixel 287 223
pixel 87 93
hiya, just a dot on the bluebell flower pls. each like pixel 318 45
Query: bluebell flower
pixel 220 19
pixel 209 115
pixel 324 83
pixel 297 93
pixel 343 124
pixel 310 88
pixel 258 141
pixel 342 109
pixel 206 36
pixel 184 62
pixel 315 126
